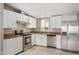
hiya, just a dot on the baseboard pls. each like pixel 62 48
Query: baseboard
pixel 19 52
pixel 69 51
pixel 51 47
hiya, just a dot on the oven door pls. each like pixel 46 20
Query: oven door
pixel 27 40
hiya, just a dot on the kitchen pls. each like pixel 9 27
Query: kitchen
pixel 23 31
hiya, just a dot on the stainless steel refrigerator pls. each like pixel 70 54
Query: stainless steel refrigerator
pixel 70 35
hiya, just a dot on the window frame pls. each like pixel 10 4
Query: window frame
pixel 45 28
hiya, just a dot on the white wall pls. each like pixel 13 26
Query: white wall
pixel 38 25
pixel 1 28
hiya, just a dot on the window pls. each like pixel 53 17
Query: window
pixel 44 24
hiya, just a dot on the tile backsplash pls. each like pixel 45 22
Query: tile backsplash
pixel 55 30
pixel 8 31
pixel 11 31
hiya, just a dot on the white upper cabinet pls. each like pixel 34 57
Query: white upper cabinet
pixel 10 19
pixel 52 22
pixel 55 22
pixel 58 22
pixel 6 19
pixel 69 17
pixel 22 17
pixel 32 23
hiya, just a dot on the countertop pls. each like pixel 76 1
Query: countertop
pixel 47 33
pixel 8 36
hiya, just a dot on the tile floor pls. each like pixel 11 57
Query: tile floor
pixel 37 50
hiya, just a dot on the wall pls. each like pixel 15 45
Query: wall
pixel 38 24
pixel 11 30
pixel 1 28
pixel 8 31
pixel 20 27
pixel 54 30
pixel 50 29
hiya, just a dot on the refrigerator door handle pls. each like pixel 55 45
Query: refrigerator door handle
pixel 64 33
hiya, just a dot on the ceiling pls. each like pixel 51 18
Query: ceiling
pixel 47 9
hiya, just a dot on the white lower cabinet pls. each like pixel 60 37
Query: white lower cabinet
pixel 44 40
pixel 13 46
pixel 58 41
pixel 33 39
pixel 39 39
pixel 19 46
pixel 10 19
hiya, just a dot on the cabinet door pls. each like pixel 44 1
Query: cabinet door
pixel 41 40
pixel 64 42
pixel 58 41
pixel 6 19
pixel 19 46
pixel 32 22
pixel 33 39
pixel 38 39
pixel 69 17
pixel 12 19
pixel 22 17
pixel 19 17
pixel 52 22
pixel 10 46
pixel 58 22
pixel 55 22
pixel 9 19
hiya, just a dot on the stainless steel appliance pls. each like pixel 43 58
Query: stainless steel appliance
pixel 18 32
pixel 70 35
pixel 27 42
pixel 27 39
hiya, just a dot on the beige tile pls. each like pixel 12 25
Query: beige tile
pixel 36 50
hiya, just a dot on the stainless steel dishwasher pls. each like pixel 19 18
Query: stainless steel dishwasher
pixel 27 42
pixel 51 41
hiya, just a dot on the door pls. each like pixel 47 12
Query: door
pixel 70 34
pixel 33 39
pixel 73 38
pixel 43 40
